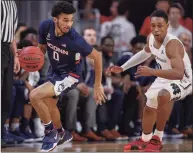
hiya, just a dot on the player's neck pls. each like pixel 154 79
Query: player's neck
pixel 58 32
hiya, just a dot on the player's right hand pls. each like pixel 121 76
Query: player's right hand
pixel 114 69
pixel 99 95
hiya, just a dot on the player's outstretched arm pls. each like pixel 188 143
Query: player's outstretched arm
pixel 138 58
pixel 175 53
pixel 98 89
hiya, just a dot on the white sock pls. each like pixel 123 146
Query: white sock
pixel 48 123
pixel 159 134
pixel 146 137
pixel 14 126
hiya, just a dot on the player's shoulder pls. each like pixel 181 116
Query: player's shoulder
pixel 74 35
pixel 46 22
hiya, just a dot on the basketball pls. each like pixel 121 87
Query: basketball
pixel 31 58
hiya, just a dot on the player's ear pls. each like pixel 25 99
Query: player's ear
pixel 167 25
pixel 54 19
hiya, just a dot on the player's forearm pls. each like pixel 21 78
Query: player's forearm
pixel 171 74
pixel 98 69
pixel 14 48
pixel 136 59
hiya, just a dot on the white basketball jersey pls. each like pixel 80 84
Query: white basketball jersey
pixel 164 62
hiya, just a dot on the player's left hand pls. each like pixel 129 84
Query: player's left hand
pixel 16 65
pixel 99 95
pixel 143 71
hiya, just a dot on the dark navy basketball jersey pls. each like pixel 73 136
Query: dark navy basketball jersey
pixel 65 51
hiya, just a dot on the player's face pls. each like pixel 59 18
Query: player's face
pixel 108 47
pixel 163 5
pixel 90 36
pixel 64 22
pixel 174 14
pixel 159 27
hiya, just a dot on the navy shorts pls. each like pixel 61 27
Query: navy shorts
pixel 62 83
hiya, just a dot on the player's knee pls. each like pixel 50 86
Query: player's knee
pixel 33 96
pixel 163 98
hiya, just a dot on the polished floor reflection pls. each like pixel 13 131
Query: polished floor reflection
pixel 169 146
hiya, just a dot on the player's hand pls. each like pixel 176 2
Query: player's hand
pixel 83 89
pixel 143 71
pixel 99 95
pixel 114 69
pixel 16 65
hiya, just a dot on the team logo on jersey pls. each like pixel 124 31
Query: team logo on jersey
pixel 162 52
pixel 61 87
pixel 57 49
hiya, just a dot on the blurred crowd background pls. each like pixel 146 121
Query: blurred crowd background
pixel 117 28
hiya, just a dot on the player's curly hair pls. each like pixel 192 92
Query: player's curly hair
pixel 62 7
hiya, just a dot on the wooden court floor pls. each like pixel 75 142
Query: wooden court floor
pixel 172 145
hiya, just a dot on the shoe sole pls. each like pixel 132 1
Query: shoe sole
pixel 65 141
pixel 49 149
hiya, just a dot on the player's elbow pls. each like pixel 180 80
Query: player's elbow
pixel 180 75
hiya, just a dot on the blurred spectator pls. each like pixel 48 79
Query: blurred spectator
pixel 31 35
pixel 81 99
pixel 90 35
pixel 20 28
pixel 134 90
pixel 106 120
pixel 175 15
pixel 120 29
pixel 186 40
pixel 113 11
pixel 160 5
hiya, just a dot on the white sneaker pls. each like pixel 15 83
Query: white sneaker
pixel 38 127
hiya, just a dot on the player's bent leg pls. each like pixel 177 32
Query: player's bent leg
pixel 37 97
pixel 163 112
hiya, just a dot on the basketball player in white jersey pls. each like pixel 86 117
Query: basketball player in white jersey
pixel 174 80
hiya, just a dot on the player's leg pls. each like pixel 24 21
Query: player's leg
pixel 65 136
pixel 54 112
pixel 148 120
pixel 164 109
pixel 37 97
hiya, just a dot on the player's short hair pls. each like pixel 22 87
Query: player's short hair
pixel 62 7
pixel 178 6
pixel 160 13
pixel 24 33
pixel 90 27
pixel 106 37
pixel 138 39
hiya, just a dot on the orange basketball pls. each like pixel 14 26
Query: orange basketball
pixel 31 58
